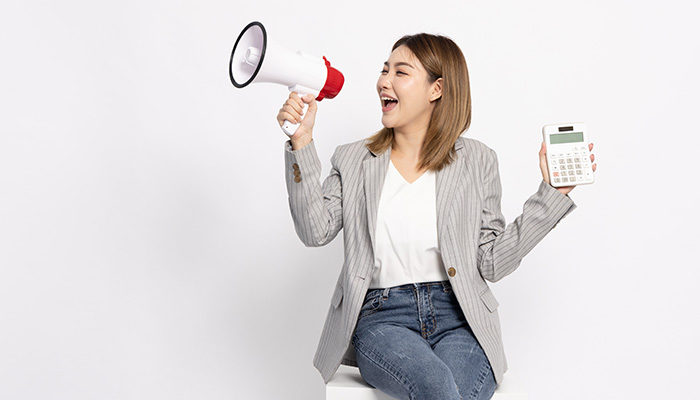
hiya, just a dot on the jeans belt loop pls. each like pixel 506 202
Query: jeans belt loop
pixel 385 295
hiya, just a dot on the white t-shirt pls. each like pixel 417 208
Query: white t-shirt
pixel 406 236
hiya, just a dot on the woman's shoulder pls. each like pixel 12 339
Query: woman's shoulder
pixel 358 145
pixel 473 146
pixel 356 150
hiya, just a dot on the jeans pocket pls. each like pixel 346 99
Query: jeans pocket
pixel 373 303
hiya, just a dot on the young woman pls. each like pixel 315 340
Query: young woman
pixel 423 231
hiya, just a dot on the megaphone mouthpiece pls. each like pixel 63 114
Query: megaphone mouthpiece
pixel 252 56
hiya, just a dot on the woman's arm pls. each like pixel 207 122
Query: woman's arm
pixel 501 247
pixel 317 210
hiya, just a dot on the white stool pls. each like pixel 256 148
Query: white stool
pixel 347 384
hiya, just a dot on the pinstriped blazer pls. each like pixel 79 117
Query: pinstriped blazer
pixel 472 234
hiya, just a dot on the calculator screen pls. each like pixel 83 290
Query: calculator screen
pixel 569 137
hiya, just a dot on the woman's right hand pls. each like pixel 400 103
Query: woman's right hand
pixel 292 111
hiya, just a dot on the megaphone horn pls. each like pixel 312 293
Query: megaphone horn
pixel 255 58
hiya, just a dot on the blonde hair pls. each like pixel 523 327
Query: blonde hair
pixel 441 58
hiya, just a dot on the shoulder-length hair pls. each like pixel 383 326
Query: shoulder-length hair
pixel 441 58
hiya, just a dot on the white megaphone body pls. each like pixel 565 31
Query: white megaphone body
pixel 255 58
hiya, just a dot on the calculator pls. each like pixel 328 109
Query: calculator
pixel 568 157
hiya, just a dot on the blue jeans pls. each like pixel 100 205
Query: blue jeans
pixel 413 342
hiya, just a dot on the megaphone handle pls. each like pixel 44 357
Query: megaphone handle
pixel 290 128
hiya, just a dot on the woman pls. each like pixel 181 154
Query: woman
pixel 423 230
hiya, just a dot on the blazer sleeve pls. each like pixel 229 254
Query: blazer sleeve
pixel 317 210
pixel 501 247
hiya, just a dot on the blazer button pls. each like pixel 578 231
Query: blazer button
pixel 451 272
pixel 295 166
pixel 297 179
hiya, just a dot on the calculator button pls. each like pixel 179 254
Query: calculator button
pixel 557 180
pixel 555 173
pixel 579 172
pixel 565 180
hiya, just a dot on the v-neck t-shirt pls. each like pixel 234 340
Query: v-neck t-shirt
pixel 406 240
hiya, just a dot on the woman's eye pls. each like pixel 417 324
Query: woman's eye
pixel 384 71
pixel 401 73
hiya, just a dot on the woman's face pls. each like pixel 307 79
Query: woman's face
pixel 406 95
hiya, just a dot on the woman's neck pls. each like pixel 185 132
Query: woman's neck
pixel 408 145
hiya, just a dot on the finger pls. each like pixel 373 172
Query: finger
pixel 308 98
pixel 295 105
pixel 592 157
pixel 543 162
pixel 285 116
pixel 295 110
pixel 296 98
pixel 590 146
pixel 543 154
pixel 594 167
pixel 313 105
pixel 310 117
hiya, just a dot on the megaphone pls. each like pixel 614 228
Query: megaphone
pixel 256 58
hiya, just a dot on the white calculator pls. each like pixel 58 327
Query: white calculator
pixel 568 157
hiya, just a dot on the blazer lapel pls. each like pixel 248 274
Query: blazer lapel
pixel 374 169
pixel 447 187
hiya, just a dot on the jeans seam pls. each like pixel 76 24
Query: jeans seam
pixel 432 313
pixel 483 374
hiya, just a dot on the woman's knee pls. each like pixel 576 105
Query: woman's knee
pixel 484 385
pixel 437 384
pixel 411 375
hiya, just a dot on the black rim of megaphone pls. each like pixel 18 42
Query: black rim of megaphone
pixel 262 55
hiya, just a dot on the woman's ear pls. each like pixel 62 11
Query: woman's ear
pixel 436 90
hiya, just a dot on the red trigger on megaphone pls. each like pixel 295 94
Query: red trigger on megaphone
pixel 256 59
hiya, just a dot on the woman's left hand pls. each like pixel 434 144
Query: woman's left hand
pixel 545 171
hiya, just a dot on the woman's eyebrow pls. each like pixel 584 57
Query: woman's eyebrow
pixel 399 64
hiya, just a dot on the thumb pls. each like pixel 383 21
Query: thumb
pixel 543 162
pixel 310 117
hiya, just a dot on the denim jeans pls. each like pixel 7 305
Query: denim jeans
pixel 413 342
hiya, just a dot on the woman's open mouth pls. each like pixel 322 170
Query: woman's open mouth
pixel 388 103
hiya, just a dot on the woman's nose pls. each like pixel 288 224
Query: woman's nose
pixel 384 82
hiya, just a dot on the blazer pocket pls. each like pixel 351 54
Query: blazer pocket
pixel 337 296
pixel 489 300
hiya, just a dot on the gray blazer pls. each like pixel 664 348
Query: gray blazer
pixel 474 241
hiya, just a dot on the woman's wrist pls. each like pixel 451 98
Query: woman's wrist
pixel 299 143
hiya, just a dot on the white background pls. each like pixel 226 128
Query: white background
pixel 146 246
